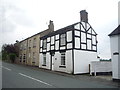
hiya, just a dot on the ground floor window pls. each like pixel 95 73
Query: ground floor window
pixel 34 57
pixel 44 59
pixel 29 55
pixel 20 57
pixel 62 58
pixel 24 57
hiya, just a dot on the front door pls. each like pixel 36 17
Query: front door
pixel 52 61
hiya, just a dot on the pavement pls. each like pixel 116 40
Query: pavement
pixel 104 79
pixel 21 76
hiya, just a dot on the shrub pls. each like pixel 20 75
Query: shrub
pixel 12 57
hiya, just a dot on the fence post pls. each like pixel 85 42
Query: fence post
pixel 90 70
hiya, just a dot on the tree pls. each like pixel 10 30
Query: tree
pixel 10 51
pixel 12 57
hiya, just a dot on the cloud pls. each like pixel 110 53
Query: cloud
pixel 21 19
pixel 11 16
pixel 119 13
pixel 104 40
pixel 7 27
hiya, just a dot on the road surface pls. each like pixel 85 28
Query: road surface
pixel 19 76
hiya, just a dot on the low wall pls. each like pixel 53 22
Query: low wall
pixel 100 66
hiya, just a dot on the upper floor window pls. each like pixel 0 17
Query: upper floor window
pixel 29 43
pixel 21 46
pixel 34 42
pixel 62 39
pixel 25 45
pixel 45 44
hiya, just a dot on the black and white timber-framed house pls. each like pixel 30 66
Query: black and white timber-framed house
pixel 70 49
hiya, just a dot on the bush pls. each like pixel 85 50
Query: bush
pixel 12 57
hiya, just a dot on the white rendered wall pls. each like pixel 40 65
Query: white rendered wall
pixel 48 39
pixel 82 60
pixel 48 46
pixel 69 45
pixel 40 60
pixel 77 33
pixel 48 61
pixel 52 40
pixel 68 61
pixel 62 48
pixel 57 37
pixel 114 48
pixel 119 57
pixel 77 44
pixel 100 66
pixel 56 45
pixel 69 36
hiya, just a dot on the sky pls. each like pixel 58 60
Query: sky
pixel 20 19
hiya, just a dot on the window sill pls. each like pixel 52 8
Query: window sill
pixel 62 66
pixel 63 45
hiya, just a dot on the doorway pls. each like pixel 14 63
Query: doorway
pixel 52 61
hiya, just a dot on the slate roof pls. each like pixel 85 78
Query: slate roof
pixel 60 31
pixel 115 32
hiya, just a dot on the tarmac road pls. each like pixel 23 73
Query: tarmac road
pixel 19 76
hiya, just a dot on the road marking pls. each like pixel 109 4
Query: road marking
pixel 6 68
pixel 35 79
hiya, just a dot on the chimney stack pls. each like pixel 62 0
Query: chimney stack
pixel 83 16
pixel 51 25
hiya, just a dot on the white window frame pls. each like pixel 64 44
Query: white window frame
pixel 62 39
pixel 44 44
pixel 63 59
pixel 44 60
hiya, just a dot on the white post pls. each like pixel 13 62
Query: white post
pixel 95 71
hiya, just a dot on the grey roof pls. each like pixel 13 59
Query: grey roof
pixel 62 30
pixel 115 32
